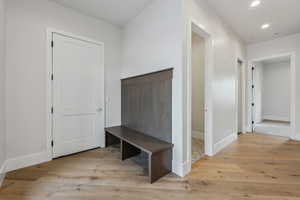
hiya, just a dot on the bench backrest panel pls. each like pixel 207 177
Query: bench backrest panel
pixel 147 104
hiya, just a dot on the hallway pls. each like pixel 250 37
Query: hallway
pixel 258 167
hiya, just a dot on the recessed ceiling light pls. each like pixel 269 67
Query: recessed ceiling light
pixel 255 3
pixel 265 26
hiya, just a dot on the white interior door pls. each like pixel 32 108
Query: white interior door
pixel 78 95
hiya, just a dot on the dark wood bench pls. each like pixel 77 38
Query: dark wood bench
pixel 133 142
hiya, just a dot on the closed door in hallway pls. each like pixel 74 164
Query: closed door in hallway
pixel 78 95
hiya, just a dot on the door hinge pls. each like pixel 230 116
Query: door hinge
pixel 52 44
pixel 52 143
pixel 253 104
pixel 52 77
pixel 52 110
pixel 252 86
pixel 252 122
pixel 253 68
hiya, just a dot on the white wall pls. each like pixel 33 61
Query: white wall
pixel 156 39
pixel 227 47
pixel 2 87
pixel 27 22
pixel 198 62
pixel 258 91
pixel 153 41
pixel 276 91
pixel 277 47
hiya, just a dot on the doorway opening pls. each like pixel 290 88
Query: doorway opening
pixel 199 76
pixel 198 96
pixel 272 94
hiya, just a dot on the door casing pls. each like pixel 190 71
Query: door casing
pixel 193 26
pixel 292 56
pixel 241 98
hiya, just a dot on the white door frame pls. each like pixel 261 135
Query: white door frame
pixel 49 89
pixel 193 26
pixel 292 56
pixel 243 85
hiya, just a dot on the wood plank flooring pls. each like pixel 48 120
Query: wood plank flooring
pixel 256 167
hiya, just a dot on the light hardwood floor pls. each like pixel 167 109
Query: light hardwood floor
pixel 256 167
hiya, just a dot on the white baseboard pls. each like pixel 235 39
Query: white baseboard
pixel 177 168
pixel 181 169
pixel 249 129
pixel 276 118
pixel 26 161
pixel 276 130
pixel 225 142
pixel 198 135
pixel 186 168
pixel 296 137
pixel 2 176
pixel 2 173
pixel 279 133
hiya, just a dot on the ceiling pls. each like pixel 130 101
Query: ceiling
pixel 283 16
pixel 117 12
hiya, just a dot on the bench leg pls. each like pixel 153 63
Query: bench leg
pixel 111 140
pixel 160 164
pixel 128 150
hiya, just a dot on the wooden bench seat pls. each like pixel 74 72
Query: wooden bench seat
pixel 133 142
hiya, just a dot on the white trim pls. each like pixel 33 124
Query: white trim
pixel 225 142
pixel 177 168
pixel 296 137
pixel 248 129
pixel 281 131
pixel 49 94
pixel 181 169
pixel 2 176
pixel 186 167
pixel 197 135
pixel 2 169
pixel 26 161
pixel 243 85
pixel 193 26
pixel 293 95
pixel 50 32
pixel 276 117
pixel 249 97
pixel 279 134
pixel 74 36
pixel 2 173
pixel 292 56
